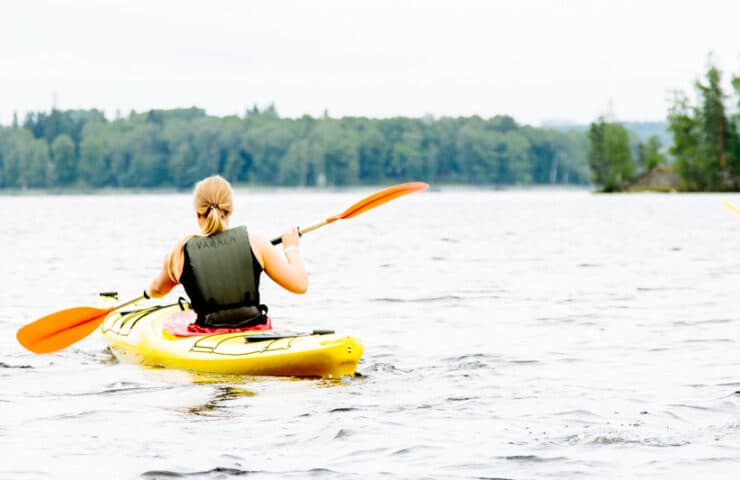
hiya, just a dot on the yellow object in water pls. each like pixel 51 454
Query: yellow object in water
pixel 731 207
pixel 140 336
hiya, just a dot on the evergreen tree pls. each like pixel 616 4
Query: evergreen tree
pixel 649 153
pixel 735 132
pixel 610 156
pixel 715 139
pixel 705 141
pixel 685 129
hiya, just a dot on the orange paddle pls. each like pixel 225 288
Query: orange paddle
pixel 63 328
pixel 374 200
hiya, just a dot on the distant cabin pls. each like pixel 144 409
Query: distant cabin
pixel 658 179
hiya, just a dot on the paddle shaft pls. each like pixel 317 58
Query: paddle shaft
pixel 301 231
pixel 367 203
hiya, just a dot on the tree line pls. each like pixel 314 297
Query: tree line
pixel 175 148
pixel 705 153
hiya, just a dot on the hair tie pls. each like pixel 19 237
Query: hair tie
pixel 213 206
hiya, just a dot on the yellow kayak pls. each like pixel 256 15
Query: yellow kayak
pixel 144 336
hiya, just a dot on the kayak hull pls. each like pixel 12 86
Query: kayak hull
pixel 140 336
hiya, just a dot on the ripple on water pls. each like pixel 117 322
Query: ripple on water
pixel 729 384
pixel 709 340
pixel 442 298
pixel 385 368
pixel 533 459
pixel 470 362
pixel 524 362
pixel 646 442
pixel 6 365
pixel 460 399
pixel 577 413
pixel 217 472
pixel 120 388
pixel 343 409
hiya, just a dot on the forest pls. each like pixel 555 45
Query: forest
pixel 82 149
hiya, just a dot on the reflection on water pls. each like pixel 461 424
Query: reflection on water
pixel 218 405
pixel 507 335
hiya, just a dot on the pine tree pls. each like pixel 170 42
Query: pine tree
pixel 610 156
pixel 715 132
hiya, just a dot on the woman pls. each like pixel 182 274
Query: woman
pixel 220 268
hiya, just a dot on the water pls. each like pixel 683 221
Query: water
pixel 513 334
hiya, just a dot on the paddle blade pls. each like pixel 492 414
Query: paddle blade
pixel 379 198
pixel 61 329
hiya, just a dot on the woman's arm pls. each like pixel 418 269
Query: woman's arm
pixel 286 267
pixel 168 277
pixel 161 285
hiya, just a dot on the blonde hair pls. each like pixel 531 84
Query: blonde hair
pixel 212 200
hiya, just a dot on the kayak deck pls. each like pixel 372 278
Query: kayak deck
pixel 139 336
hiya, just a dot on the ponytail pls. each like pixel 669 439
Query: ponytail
pixel 214 220
pixel 211 201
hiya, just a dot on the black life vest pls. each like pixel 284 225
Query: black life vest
pixel 221 276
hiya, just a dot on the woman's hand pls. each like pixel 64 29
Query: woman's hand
pixel 290 238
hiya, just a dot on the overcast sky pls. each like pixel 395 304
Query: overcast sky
pixel 536 60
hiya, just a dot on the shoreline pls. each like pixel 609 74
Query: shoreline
pixel 272 189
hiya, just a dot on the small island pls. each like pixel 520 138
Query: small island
pixel 704 156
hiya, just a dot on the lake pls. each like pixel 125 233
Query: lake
pixel 508 334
